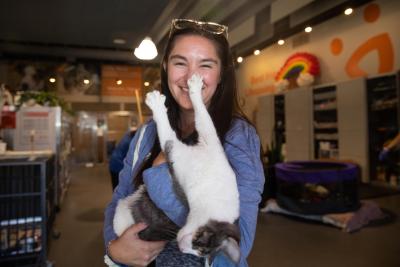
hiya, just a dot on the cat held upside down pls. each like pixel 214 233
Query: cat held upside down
pixel 204 176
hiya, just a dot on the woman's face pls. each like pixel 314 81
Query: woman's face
pixel 193 54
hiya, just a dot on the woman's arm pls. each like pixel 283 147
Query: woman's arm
pixel 128 248
pixel 394 143
pixel 161 191
pixel 242 148
pixel 124 188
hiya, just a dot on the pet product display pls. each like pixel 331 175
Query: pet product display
pixel 317 187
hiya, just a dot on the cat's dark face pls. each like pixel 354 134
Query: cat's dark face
pixel 217 236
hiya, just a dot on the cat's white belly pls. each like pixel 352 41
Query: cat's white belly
pixel 123 218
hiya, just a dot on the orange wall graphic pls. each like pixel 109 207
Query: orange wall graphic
pixel 363 44
pixel 380 44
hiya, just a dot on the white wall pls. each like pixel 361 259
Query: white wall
pixel 256 74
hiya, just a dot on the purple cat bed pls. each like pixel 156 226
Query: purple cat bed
pixel 317 187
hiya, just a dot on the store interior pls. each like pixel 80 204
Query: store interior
pixel 319 80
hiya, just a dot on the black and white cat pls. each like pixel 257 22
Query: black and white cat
pixel 202 172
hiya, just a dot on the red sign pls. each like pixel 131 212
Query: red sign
pixel 8 120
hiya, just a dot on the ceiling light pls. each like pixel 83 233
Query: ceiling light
pixel 281 42
pixel 240 59
pixel 256 52
pixel 146 84
pixel 348 11
pixel 146 50
pixel 119 82
pixel 308 29
pixel 86 81
pixel 52 80
pixel 119 41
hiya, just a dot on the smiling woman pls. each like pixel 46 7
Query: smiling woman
pixel 193 48
pixel 193 54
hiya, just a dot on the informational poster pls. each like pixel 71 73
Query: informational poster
pixel 36 129
pixel 120 80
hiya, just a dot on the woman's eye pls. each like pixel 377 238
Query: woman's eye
pixel 179 64
pixel 206 66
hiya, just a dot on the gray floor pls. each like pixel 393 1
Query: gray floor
pixel 280 241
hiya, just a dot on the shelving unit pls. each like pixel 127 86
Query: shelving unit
pixel 325 123
pixel 64 148
pixel 26 210
pixel 383 119
pixel 279 114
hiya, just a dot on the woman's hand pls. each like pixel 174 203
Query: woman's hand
pixel 160 159
pixel 129 249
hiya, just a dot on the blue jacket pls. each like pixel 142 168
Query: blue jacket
pixel 117 157
pixel 242 147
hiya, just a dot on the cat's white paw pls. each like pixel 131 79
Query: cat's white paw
pixel 155 100
pixel 195 83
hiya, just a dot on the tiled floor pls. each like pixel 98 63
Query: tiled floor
pixel 280 241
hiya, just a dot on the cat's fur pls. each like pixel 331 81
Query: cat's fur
pixel 207 180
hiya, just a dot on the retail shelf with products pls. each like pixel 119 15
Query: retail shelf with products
pixel 325 127
pixel 383 123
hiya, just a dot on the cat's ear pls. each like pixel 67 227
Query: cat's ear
pixel 231 248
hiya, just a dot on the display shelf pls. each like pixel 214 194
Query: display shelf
pixel 279 108
pixel 325 126
pixel 329 105
pixel 383 121
pixel 64 157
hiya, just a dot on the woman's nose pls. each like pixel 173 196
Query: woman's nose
pixel 191 72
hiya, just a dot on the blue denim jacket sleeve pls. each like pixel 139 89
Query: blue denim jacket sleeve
pixel 123 189
pixel 242 147
pixel 161 191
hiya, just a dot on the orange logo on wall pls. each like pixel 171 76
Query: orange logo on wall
pixel 381 43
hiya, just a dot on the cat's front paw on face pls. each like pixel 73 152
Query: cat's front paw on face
pixel 195 83
pixel 155 100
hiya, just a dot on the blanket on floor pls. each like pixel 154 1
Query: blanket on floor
pixel 349 222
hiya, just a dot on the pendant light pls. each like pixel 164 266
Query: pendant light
pixel 146 50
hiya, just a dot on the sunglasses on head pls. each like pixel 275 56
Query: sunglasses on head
pixel 211 27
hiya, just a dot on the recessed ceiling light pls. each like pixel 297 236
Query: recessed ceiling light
pixel 281 42
pixel 308 29
pixel 256 52
pixel 119 41
pixel 86 81
pixel 240 59
pixel 348 11
pixel 52 80
pixel 146 84
pixel 119 82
